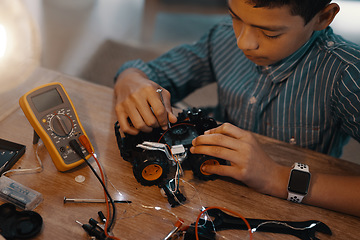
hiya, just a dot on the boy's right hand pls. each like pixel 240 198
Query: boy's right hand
pixel 138 101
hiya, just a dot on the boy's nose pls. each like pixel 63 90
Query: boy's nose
pixel 247 39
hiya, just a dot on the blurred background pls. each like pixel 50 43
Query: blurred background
pixel 90 39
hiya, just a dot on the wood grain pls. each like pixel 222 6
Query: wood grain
pixel 140 219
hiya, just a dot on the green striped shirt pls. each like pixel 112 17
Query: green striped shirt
pixel 311 98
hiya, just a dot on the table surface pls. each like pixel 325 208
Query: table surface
pixel 149 216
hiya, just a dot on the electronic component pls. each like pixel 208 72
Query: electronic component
pixel 160 156
pixel 18 194
pixel 152 154
pixel 54 119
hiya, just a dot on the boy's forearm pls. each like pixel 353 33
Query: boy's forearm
pixel 338 193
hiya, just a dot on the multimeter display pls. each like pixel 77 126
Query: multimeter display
pixel 47 100
pixel 53 117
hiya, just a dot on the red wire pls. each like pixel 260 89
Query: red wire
pixel 173 127
pixel 106 200
pixel 86 143
pixel 225 210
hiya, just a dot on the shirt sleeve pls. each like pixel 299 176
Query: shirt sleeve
pixel 347 95
pixel 181 70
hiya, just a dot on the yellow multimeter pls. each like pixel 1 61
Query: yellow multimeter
pixel 54 119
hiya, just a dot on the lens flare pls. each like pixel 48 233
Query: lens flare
pixel 2 41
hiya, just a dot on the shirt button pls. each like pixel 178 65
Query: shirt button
pixel 292 141
pixel 330 43
pixel 252 100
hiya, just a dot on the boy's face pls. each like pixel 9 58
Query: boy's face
pixel 266 35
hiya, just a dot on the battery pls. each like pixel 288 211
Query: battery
pixel 18 194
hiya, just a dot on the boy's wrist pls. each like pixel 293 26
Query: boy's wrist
pixel 279 182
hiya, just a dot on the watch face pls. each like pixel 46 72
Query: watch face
pixel 299 182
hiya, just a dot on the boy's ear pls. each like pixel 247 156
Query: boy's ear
pixel 326 16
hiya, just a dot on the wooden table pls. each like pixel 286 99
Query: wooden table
pixel 140 219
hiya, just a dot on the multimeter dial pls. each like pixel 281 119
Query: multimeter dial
pixel 61 123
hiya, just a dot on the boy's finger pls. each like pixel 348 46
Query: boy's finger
pixel 228 130
pixel 221 170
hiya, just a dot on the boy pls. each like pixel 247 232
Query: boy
pixel 281 72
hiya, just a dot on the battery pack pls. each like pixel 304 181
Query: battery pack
pixel 18 194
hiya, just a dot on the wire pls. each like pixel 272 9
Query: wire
pixel 107 202
pixel 30 170
pixel 86 143
pixel 284 224
pixel 225 210
pixel 179 170
pixel 76 147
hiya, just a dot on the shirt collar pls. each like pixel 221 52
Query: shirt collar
pixel 282 69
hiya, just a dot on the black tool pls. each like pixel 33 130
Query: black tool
pixel 305 230
pixel 10 153
pixel 175 198
pixel 18 224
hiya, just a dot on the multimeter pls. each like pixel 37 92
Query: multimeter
pixel 54 119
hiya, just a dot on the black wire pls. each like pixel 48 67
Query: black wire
pixel 107 193
pixel 76 147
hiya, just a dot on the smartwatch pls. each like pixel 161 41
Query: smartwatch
pixel 299 182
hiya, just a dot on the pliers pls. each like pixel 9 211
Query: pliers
pixel 305 230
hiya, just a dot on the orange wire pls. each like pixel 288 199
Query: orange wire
pixel 226 210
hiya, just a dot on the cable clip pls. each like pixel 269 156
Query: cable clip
pixel 177 151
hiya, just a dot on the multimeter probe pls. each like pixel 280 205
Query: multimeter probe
pixel 84 141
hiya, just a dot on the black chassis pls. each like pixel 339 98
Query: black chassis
pixel 191 123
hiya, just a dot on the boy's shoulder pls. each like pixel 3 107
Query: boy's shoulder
pixel 339 47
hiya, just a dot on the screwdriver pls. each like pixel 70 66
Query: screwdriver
pixel 162 101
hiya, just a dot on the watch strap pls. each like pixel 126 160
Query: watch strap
pixel 301 167
pixel 294 197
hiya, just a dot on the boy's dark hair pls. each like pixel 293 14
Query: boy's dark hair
pixel 307 9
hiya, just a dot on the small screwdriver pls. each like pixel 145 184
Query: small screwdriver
pixel 162 101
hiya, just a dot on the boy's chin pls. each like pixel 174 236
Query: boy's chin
pixel 262 61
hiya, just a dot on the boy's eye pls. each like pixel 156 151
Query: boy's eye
pixel 234 17
pixel 272 36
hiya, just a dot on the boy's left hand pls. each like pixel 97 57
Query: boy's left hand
pixel 249 163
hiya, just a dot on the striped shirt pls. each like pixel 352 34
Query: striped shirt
pixel 311 98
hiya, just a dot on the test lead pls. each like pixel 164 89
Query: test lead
pixel 94 231
pixel 102 216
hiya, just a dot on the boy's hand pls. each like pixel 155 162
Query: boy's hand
pixel 249 163
pixel 138 101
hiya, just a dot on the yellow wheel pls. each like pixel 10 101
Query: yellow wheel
pixel 199 161
pixel 152 172
pixel 152 169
